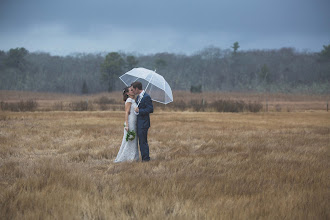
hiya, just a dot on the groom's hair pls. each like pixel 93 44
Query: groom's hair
pixel 137 85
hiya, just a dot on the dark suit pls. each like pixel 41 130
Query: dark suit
pixel 143 124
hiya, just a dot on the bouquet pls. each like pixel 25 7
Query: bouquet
pixel 130 135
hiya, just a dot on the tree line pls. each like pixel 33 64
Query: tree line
pixel 211 69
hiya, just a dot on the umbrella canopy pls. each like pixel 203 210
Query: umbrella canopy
pixel 153 83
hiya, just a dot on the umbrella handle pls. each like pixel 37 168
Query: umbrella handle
pixel 145 90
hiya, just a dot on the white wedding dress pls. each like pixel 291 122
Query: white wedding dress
pixel 129 149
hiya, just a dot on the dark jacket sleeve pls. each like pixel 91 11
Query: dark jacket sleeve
pixel 149 108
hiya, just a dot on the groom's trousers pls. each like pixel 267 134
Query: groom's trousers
pixel 143 142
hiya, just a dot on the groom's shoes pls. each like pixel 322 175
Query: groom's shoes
pixel 145 159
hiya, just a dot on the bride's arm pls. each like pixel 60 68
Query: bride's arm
pixel 127 111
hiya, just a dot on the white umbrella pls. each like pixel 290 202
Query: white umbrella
pixel 153 83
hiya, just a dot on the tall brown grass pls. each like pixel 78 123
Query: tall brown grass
pixel 59 165
pixel 183 101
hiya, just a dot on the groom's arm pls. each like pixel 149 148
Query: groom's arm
pixel 149 107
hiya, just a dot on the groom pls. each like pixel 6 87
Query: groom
pixel 143 120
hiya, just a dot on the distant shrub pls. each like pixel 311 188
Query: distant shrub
pixel 196 89
pixel 228 106
pixel 58 106
pixel 22 106
pixel 198 105
pixel 103 107
pixel 79 106
pixel 278 108
pixel 218 105
pixel 235 106
pixel 104 102
pixel 254 107
pixel 90 107
pixel 179 105
pixel 161 106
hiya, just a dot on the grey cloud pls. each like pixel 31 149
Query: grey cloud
pixel 197 22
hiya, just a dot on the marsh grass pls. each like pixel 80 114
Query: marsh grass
pixel 183 101
pixel 21 106
pixel 59 165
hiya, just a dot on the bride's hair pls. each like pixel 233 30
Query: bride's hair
pixel 125 96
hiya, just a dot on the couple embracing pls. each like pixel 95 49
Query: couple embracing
pixel 137 123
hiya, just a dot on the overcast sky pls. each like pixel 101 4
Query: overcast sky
pixel 61 27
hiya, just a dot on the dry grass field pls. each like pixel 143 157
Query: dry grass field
pixel 267 165
pixel 274 102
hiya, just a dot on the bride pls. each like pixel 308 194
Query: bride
pixel 129 146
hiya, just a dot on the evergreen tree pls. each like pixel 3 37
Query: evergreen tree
pixel 111 69
pixel 325 53
pixel 131 62
pixel 84 89
pixel 235 47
